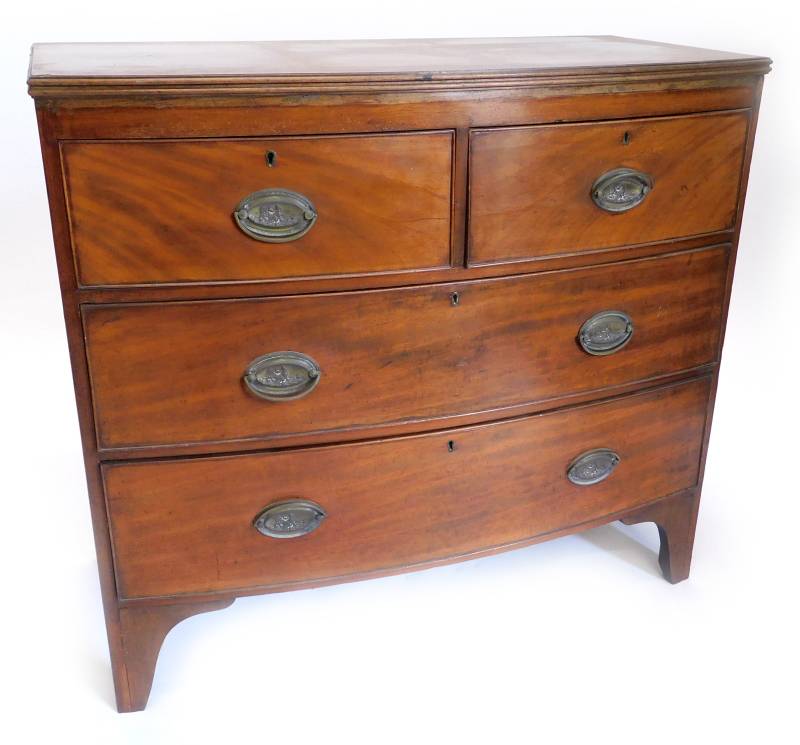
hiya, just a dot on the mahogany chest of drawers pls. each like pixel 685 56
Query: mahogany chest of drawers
pixel 344 309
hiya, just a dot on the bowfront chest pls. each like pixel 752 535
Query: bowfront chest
pixel 338 310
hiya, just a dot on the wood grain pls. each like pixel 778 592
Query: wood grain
pixel 457 273
pixel 676 519
pixel 394 57
pixel 143 630
pixel 530 188
pixel 148 212
pixel 254 93
pixel 172 373
pixel 78 69
pixel 274 114
pixel 185 526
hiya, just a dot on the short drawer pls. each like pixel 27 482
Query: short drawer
pixel 173 373
pixel 549 190
pixel 166 212
pixel 187 525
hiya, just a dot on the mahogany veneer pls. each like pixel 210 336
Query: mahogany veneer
pixel 394 503
pixel 149 212
pixel 537 181
pixel 171 373
pixel 338 310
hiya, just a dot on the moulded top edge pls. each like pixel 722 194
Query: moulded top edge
pixel 395 61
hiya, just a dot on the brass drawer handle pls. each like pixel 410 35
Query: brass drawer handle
pixel 606 332
pixel 282 376
pixel 289 519
pixel 592 467
pixel 621 190
pixel 275 215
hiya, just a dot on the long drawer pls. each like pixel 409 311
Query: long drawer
pixel 166 212
pixel 173 373
pixel 188 525
pixel 556 189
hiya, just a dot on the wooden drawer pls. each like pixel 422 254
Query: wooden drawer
pixel 172 373
pixel 531 187
pixel 452 385
pixel 186 526
pixel 163 212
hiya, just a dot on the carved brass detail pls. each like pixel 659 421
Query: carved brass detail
pixel 282 376
pixel 289 519
pixel 621 190
pixel 275 215
pixel 606 332
pixel 592 467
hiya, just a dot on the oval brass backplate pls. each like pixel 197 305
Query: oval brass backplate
pixel 606 332
pixel 621 190
pixel 592 467
pixel 275 215
pixel 282 376
pixel 289 519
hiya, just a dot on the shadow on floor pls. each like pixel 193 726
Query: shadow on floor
pixel 636 545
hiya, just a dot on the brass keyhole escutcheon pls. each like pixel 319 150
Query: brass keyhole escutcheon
pixel 271 156
pixel 454 299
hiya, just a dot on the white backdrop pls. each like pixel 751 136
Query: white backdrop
pixel 577 638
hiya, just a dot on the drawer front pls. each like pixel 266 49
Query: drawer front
pixel 187 525
pixel 172 373
pixel 531 188
pixel 164 212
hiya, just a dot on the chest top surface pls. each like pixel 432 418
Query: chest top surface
pixel 397 60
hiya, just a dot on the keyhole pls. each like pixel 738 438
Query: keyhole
pixel 454 298
pixel 271 156
pixel 451 445
pixel 626 138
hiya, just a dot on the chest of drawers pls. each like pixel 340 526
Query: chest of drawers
pixel 345 309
